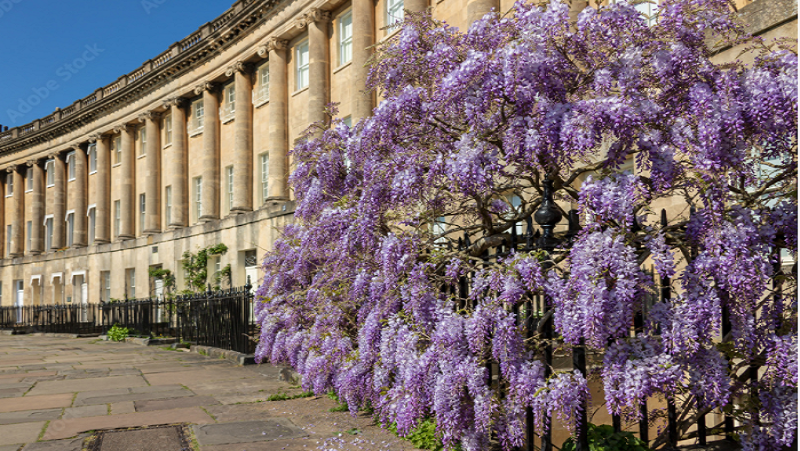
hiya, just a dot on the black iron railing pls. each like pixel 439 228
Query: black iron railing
pixel 222 319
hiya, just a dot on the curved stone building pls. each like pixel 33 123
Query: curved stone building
pixel 190 149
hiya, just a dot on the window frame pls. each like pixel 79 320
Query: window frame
pixel 91 215
pixel 28 237
pixel 50 173
pixel 302 70
pixel 116 146
pixel 70 160
pixel 168 204
pixel 261 93
pixel 9 184
pixel 167 130
pixel 29 180
pixel 198 197
pixel 392 6
pixel 142 212
pixel 264 165
pixel 91 151
pixel 229 186
pixel 48 233
pixel 142 140
pixel 70 223
pixel 117 218
pixel 345 44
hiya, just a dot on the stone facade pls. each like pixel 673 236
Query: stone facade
pixel 191 149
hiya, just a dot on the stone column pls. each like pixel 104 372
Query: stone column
pixel 476 9
pixel 363 37
pixel 415 5
pixel 102 223
pixel 318 89
pixel 59 201
pixel 242 139
pixel 210 158
pixel 18 207
pixel 278 125
pixel 177 160
pixel 37 208
pixel 80 238
pixel 127 201
pixel 152 206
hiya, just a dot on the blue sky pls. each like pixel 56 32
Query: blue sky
pixel 53 52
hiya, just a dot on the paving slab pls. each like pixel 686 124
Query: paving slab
pixel 72 444
pixel 12 392
pixel 122 395
pixel 11 434
pixel 154 439
pixel 70 427
pixel 36 402
pixel 122 407
pixel 79 385
pixel 27 416
pixel 247 432
pixel 9 448
pixel 86 411
pixel 166 404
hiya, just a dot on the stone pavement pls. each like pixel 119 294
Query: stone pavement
pixel 55 393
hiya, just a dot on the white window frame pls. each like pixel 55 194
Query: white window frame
pixel 195 125
pixel 91 152
pixel 117 218
pixel 131 276
pixel 9 184
pixel 116 146
pixel 394 12
pixel 167 130
pixel 105 280
pixel 264 164
pixel 28 230
pixel 261 93
pixel 227 112
pixel 9 232
pixel 439 227
pixel 229 174
pixel 302 61
pixel 168 204
pixel 71 166
pixel 91 215
pixel 142 211
pixel 345 38
pixel 69 219
pixel 50 172
pixel 142 140
pixel 29 180
pixel 48 233
pixel 198 197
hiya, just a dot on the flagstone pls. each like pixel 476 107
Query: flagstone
pixel 36 402
pixel 27 416
pixel 71 427
pixel 79 385
pixel 11 434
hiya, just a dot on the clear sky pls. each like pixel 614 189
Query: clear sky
pixel 53 52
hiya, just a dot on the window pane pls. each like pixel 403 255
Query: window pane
pixel 346 38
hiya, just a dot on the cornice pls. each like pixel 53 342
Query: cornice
pixel 202 45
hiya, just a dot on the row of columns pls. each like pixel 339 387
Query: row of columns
pixel 275 50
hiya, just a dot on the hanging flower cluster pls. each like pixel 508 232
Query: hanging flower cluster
pixel 365 295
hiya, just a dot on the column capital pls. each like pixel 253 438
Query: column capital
pixel 93 138
pixel 205 86
pixel 177 101
pixel 313 15
pixel 149 115
pixel 76 147
pixel 275 43
pixel 239 66
pixel 32 163
pixel 12 168
pixel 122 128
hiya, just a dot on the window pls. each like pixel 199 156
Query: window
pixel 394 11
pixel 117 217
pixel 116 147
pixel 70 228
pixel 105 283
pixel 141 212
pixel 346 38
pixel 9 184
pixel 302 65
pixel 50 169
pixel 228 108
pixel 131 283
pixel 92 158
pixel 264 177
pixel 92 214
pixel 516 202
pixel 439 229
pixel 648 10
pixel 142 140
pixel 48 233
pixel 198 199
pixel 168 204
pixel 8 240
pixel 167 130
pixel 71 166
pixel 29 180
pixel 28 230
pixel 230 187
pixel 195 125
pixel 261 93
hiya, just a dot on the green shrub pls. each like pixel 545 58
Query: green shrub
pixel 117 333
pixel 423 436
pixel 603 438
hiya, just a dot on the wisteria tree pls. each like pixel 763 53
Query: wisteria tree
pixel 360 293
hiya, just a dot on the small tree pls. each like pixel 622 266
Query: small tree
pixel 195 266
pixel 356 293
